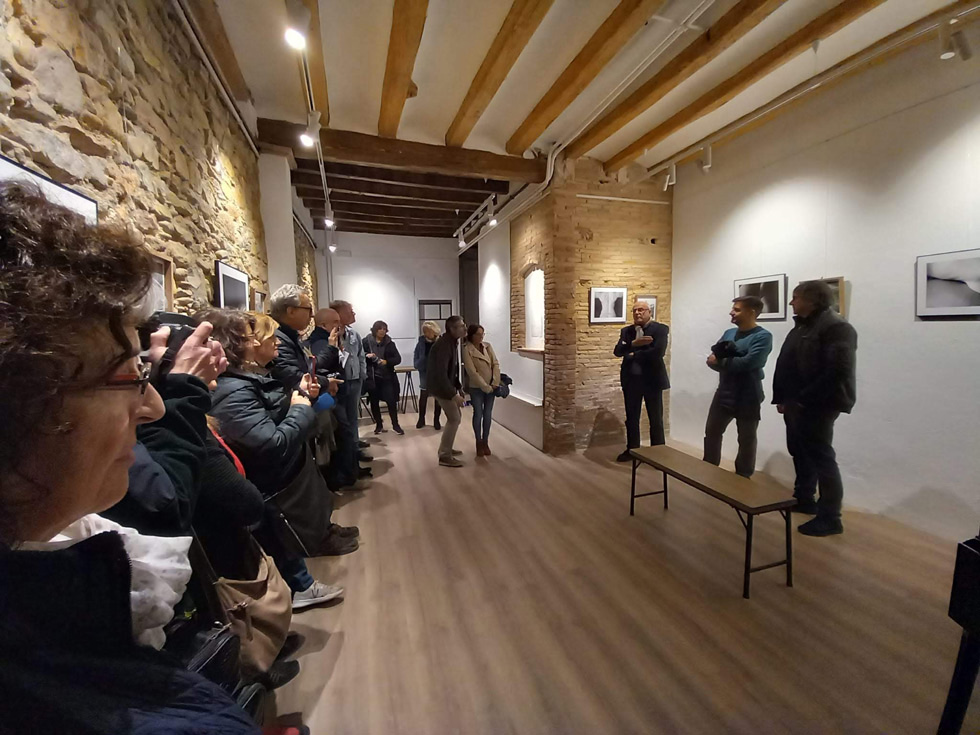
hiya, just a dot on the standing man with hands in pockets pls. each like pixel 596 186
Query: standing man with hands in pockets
pixel 643 375
pixel 442 374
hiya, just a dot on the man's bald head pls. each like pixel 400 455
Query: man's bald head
pixel 327 319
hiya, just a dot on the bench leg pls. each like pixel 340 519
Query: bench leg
pixel 789 548
pixel 748 556
pixel 633 486
pixel 665 490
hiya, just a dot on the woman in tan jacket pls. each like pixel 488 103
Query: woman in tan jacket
pixel 481 380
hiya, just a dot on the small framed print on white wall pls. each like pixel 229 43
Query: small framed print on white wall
pixel 772 291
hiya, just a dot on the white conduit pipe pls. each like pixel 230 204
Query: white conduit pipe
pixel 926 25
pixel 504 215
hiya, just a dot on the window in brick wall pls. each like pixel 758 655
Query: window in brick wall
pixel 534 310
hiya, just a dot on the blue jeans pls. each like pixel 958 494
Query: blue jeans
pixel 293 569
pixel 482 413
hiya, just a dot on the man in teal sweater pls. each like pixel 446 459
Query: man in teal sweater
pixel 739 357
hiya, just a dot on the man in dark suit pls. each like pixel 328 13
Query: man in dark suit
pixel 643 375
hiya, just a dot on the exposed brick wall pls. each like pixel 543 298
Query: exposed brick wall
pixel 110 99
pixel 592 243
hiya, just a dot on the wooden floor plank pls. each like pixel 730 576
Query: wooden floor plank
pixel 516 595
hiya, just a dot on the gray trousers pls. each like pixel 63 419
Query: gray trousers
pixel 453 416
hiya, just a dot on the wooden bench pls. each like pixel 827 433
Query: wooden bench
pixel 749 497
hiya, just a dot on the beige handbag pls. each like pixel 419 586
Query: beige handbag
pixel 259 611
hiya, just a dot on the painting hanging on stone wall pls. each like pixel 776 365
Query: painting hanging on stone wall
pixel 607 305
pixel 772 291
pixel 839 303
pixel 55 192
pixel 652 301
pixel 258 301
pixel 231 287
pixel 948 284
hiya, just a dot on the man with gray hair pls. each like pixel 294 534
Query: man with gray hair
pixel 292 307
pixel 355 369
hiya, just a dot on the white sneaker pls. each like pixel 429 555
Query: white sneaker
pixel 317 593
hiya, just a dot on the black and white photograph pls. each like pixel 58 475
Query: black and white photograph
pixel 652 301
pixel 607 305
pixel 772 291
pixel 948 284
pixel 55 192
pixel 258 301
pixel 232 287
pixel 837 288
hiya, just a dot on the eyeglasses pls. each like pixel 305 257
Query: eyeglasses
pixel 126 380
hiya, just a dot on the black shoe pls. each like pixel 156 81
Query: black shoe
pixel 436 425
pixel 364 457
pixel 361 444
pixel 294 642
pixel 420 424
pixel 822 527
pixel 345 531
pixel 379 429
pixel 625 457
pixel 806 506
pixel 336 545
pixel 281 672
pixel 398 430
pixel 364 472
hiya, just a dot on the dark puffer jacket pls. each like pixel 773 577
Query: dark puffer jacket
pixel 68 662
pixel 260 426
pixel 383 350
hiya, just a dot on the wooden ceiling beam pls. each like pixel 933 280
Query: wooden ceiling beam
pixel 410 209
pixel 407 22
pixel 521 22
pixel 381 189
pixel 394 214
pixel 821 27
pixel 318 70
pixel 616 30
pixel 208 21
pixel 342 146
pixel 385 230
pixel 347 197
pixel 738 21
pixel 389 175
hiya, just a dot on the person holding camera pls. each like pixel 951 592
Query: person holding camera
pixel 643 375
pixel 739 357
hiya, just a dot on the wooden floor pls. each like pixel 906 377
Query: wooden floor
pixel 516 595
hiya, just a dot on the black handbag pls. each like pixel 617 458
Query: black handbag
pixel 503 390
pixel 301 511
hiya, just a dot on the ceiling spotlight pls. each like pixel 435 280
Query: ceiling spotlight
pixel 953 43
pixel 309 136
pixel 462 242
pixel 329 223
pixel 961 45
pixel 297 24
pixel 295 39
pixel 332 248
pixel 493 221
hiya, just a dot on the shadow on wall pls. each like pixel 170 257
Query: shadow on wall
pixel 779 466
pixel 607 429
pixel 936 510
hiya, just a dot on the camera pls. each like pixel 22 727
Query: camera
pixel 181 327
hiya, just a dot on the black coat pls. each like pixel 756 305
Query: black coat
pixel 817 364
pixel 293 360
pixel 327 356
pixel 442 372
pixel 164 480
pixel 650 357
pixel 68 661
pixel 386 350
pixel 256 420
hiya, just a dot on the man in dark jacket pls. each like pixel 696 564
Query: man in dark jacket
pixel 442 374
pixel 643 375
pixel 292 307
pixel 739 357
pixel 813 384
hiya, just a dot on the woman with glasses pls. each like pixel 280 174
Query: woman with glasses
pixel 83 599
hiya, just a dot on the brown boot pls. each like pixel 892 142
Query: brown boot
pixel 479 448
pixel 486 449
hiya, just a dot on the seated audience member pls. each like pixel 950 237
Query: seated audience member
pixel 268 428
pixel 84 599
pixel 382 358
pixel 481 379
pixel 292 308
pixel 430 333
pixel 739 357
pixel 442 374
pixel 813 384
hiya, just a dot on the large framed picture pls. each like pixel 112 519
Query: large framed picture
pixel 55 192
pixel 948 284
pixel 772 291
pixel 607 305
pixel 652 300
pixel 231 287
pixel 837 288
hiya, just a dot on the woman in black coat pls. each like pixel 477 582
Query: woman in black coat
pixel 382 382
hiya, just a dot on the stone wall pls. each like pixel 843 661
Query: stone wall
pixel 580 244
pixel 109 98
pixel 305 263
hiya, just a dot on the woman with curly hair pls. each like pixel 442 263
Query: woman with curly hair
pixel 81 596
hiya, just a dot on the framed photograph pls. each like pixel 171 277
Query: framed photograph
pixel 607 305
pixel 55 192
pixel 163 283
pixel 652 300
pixel 948 284
pixel 772 291
pixel 837 288
pixel 231 287
pixel 258 301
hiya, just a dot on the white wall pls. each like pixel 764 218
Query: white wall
pixel 277 219
pixel 386 276
pixel 855 182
